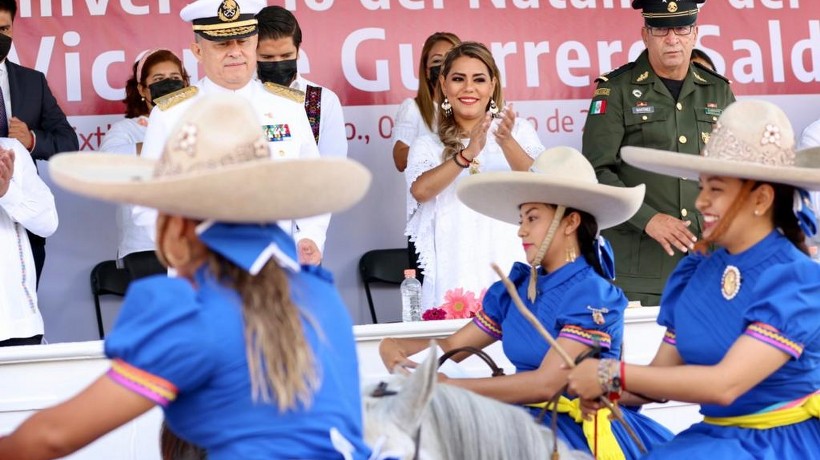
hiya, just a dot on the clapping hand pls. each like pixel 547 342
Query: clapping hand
pixel 478 138
pixel 6 169
pixel 503 132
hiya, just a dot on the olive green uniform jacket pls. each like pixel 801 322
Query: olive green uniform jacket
pixel 632 106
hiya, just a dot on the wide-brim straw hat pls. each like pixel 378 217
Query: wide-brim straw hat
pixel 752 139
pixel 559 176
pixel 216 165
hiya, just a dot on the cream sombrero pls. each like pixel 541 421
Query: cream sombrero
pixel 560 176
pixel 752 139
pixel 216 165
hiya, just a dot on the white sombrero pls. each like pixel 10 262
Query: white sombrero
pixel 752 139
pixel 216 165
pixel 560 176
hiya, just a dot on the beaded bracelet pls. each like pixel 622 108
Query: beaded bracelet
pixel 609 378
pixel 461 154
pixel 455 160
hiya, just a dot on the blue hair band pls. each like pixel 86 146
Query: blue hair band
pixel 250 246
pixel 606 257
pixel 804 213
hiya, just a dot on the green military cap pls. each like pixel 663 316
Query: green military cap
pixel 668 13
pixel 222 20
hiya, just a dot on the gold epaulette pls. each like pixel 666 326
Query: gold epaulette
pixel 172 99
pixel 614 73
pixel 293 94
pixel 706 70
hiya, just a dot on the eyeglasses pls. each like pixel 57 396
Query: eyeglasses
pixel 664 31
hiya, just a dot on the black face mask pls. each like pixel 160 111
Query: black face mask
pixel 434 73
pixel 5 46
pixel 165 86
pixel 280 72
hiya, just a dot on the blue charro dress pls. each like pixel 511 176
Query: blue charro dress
pixel 567 304
pixel 778 303
pixel 184 348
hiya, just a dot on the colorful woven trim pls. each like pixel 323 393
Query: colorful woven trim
pixel 486 324
pixel 670 337
pixel 137 380
pixel 586 336
pixel 313 109
pixel 770 335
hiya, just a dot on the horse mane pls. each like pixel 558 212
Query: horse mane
pixel 455 423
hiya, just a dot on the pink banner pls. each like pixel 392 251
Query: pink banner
pixel 367 50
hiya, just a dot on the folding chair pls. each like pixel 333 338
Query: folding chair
pixel 382 266
pixel 107 278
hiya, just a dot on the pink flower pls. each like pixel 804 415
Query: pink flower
pixel 460 304
pixel 432 314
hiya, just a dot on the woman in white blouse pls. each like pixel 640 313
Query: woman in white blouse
pixel 455 244
pixel 159 72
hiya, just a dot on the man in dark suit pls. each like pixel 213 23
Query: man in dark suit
pixel 30 113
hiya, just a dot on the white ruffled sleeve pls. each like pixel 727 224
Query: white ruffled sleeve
pixel 527 138
pixel 425 154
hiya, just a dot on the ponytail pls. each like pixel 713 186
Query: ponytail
pixel 587 233
pixel 280 361
pixel 784 218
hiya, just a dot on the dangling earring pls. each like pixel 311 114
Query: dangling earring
pixel 447 107
pixel 493 108
pixel 142 98
pixel 571 255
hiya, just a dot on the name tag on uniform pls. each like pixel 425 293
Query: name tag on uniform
pixel 713 111
pixel 643 109
pixel 276 133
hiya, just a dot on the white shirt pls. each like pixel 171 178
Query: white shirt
pixel 4 86
pixel 409 124
pixel 271 109
pixel 332 135
pixel 27 205
pixel 122 138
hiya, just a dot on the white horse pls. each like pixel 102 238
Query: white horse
pixel 414 418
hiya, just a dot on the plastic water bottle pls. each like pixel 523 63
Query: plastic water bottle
pixel 410 297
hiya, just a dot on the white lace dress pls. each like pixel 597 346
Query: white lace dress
pixel 455 244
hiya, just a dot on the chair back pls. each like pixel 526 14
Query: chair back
pixel 382 266
pixel 107 279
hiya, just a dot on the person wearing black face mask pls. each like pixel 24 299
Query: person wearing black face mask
pixel 30 114
pixel 158 73
pixel 279 72
pixel 164 87
pixel 276 55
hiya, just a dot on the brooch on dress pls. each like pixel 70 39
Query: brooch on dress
pixel 598 314
pixel 730 282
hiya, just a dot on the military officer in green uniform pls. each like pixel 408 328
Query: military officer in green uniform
pixel 660 101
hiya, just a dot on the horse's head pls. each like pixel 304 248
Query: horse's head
pixel 453 423
pixel 394 408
